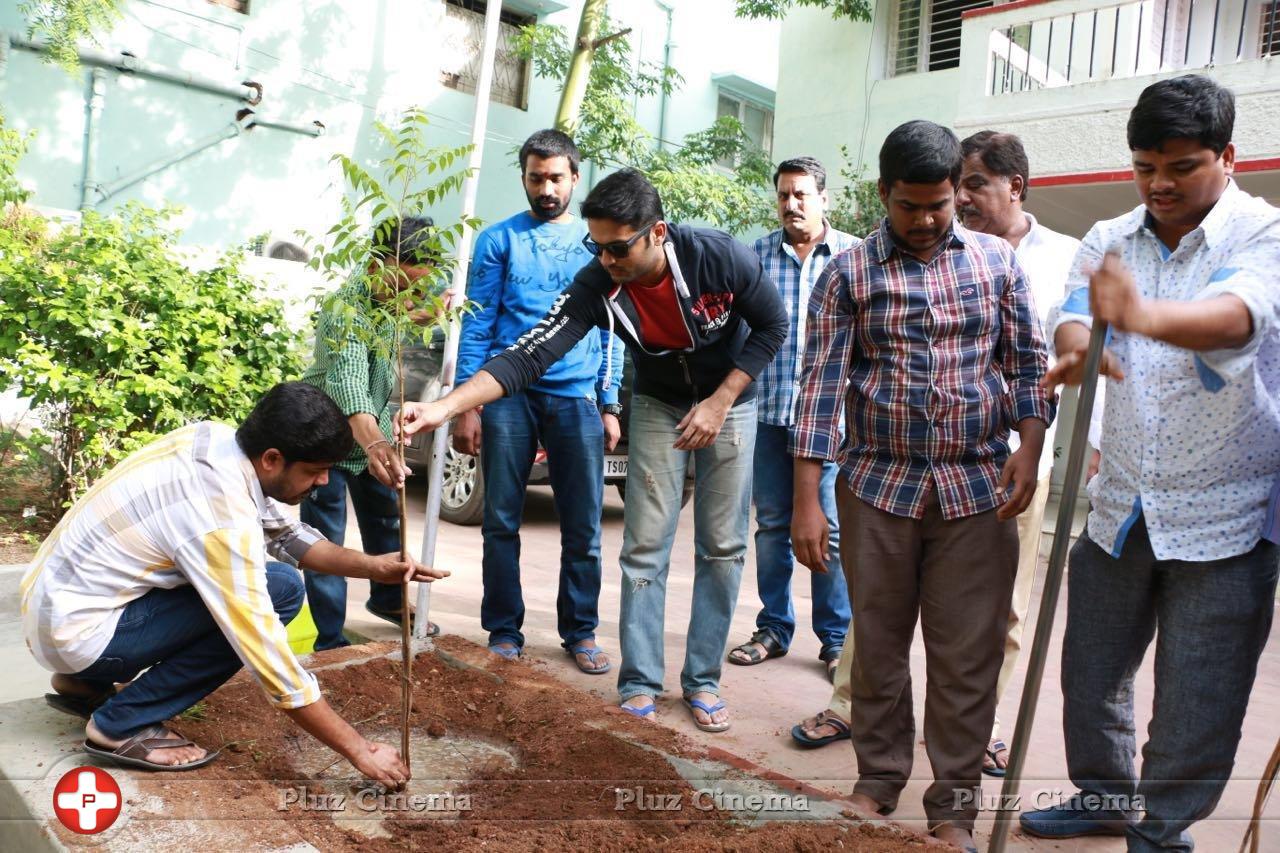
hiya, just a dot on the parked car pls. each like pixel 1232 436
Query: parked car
pixel 462 495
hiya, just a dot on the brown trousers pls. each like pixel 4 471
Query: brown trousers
pixel 958 577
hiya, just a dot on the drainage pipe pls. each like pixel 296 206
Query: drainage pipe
pixel 125 62
pixel 666 63
pixel 231 131
pixel 92 112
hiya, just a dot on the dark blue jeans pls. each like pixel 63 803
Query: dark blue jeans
pixel 773 490
pixel 172 632
pixel 378 515
pixel 569 429
pixel 1213 620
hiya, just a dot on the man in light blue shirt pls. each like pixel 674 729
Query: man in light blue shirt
pixel 1187 283
pixel 521 266
pixel 793 256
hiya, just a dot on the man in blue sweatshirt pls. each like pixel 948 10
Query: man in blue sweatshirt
pixel 521 266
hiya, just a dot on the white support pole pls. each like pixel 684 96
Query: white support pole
pixel 457 291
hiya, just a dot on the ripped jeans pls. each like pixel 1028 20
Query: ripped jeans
pixel 721 510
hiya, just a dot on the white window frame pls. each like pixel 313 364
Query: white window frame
pixel 925 33
pixel 743 102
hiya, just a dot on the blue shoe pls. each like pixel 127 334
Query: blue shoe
pixel 1072 821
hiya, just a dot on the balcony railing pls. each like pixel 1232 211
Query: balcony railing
pixel 1130 39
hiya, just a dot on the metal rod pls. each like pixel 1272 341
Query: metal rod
pixel 1008 58
pixel 1213 39
pixel 1164 32
pixel 1115 41
pixel 315 128
pixel 1093 43
pixel 1071 45
pixel 1244 17
pixel 1137 49
pixel 1052 587
pixel 229 132
pixel 1048 55
pixel 1186 47
pixel 458 289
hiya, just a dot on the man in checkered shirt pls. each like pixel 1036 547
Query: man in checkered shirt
pixel 927 337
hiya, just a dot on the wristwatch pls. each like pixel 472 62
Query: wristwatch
pixel 614 409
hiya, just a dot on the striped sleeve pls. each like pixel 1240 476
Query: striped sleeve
pixel 287 539
pixel 227 570
pixel 825 372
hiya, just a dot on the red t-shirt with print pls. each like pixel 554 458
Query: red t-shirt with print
pixel 662 324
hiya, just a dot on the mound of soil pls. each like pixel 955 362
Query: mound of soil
pixel 541 762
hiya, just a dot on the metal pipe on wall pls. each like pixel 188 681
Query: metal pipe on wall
pixel 93 100
pixel 247 91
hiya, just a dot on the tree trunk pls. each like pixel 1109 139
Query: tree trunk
pixel 575 81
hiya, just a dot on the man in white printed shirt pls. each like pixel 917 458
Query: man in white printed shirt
pixel 161 566
pixel 1191 440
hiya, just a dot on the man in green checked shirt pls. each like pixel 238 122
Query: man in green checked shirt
pixel 360 381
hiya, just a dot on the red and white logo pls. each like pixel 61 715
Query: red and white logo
pixel 87 800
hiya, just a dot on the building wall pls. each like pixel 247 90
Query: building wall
pixel 833 90
pixel 345 63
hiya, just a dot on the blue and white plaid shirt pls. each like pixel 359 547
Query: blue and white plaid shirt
pixel 777 383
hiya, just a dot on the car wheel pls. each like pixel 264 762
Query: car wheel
pixel 684 496
pixel 462 488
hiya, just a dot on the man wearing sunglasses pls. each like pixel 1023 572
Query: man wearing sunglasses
pixel 701 319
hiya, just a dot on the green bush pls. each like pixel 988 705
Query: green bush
pixel 117 341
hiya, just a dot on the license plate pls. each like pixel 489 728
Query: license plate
pixel 615 466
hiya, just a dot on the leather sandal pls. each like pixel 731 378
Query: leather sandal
pixel 131 752
pixel 772 648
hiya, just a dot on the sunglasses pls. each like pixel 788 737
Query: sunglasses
pixel 617 248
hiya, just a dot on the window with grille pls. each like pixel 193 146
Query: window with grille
pixel 756 120
pixel 1269 32
pixel 926 34
pixel 462 42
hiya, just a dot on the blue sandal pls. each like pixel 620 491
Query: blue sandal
pixel 708 710
pixel 509 654
pixel 590 652
pixel 642 712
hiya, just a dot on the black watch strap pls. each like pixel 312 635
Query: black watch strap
pixel 614 409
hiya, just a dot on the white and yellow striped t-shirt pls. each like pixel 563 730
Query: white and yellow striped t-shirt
pixel 187 509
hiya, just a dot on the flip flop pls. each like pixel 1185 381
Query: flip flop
pixel 642 712
pixel 78 706
pixel 393 616
pixel 772 648
pixel 826 718
pixel 708 710
pixel 993 748
pixel 129 753
pixel 590 652
pixel 513 653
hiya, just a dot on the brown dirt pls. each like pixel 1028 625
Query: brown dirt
pixel 571 752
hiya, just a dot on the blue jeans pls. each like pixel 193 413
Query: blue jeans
pixel 172 632
pixel 773 491
pixel 378 515
pixel 570 430
pixel 1213 620
pixel 721 515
